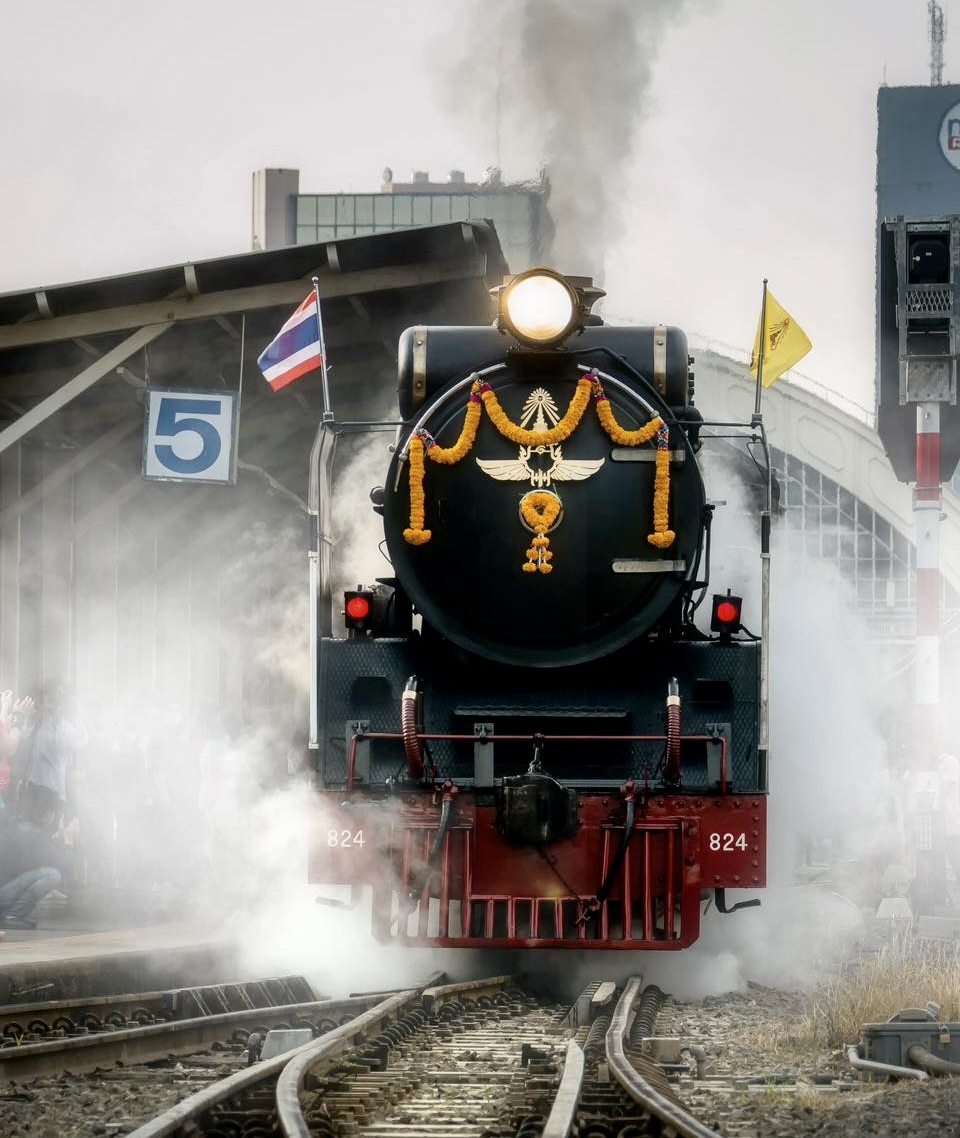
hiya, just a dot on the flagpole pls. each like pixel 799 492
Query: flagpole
pixel 762 338
pixel 766 518
pixel 243 336
pixel 327 410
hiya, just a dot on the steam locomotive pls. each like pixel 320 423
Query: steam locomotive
pixel 529 735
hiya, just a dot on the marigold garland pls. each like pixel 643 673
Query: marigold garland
pixel 540 510
pixel 416 534
pixel 558 434
pixel 621 437
pixel 539 555
pixel 662 537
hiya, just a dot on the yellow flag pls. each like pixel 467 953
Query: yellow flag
pixel 785 342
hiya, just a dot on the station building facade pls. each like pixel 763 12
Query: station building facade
pixel 283 215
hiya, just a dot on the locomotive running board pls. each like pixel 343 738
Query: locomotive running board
pixel 629 454
pixel 635 565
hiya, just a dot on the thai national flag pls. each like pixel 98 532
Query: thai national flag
pixel 295 349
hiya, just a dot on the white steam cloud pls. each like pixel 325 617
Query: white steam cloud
pixel 564 85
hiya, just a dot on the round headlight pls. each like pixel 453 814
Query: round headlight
pixel 540 308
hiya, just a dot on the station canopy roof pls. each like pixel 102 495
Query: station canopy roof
pixel 75 358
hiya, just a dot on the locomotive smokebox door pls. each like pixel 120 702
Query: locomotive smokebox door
pixel 533 808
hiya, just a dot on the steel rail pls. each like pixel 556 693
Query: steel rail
pixel 637 1087
pixel 290 1116
pixel 434 997
pixel 185 1113
pixel 156 1041
pixel 107 1013
pixel 563 1113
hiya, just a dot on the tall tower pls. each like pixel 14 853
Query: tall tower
pixel 936 43
pixel 918 349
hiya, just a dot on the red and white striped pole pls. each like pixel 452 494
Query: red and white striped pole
pixel 930 885
pixel 927 507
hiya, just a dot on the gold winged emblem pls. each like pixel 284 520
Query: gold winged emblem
pixel 540 465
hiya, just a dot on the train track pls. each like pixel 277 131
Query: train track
pixel 52 1019
pixel 484 1058
pixel 117 1043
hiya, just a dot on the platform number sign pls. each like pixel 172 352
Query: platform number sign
pixel 190 436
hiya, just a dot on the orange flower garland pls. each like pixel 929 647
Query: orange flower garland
pixel 422 441
pixel 558 434
pixel 662 537
pixel 540 509
pixel 416 534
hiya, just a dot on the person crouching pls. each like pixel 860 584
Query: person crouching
pixel 32 864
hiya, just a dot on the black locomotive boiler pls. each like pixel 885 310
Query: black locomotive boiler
pixel 530 732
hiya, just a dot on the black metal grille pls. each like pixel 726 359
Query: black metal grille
pixel 929 300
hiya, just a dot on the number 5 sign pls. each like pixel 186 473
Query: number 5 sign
pixel 190 436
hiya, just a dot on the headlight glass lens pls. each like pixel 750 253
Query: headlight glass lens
pixel 540 308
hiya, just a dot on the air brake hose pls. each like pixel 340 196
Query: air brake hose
pixel 408 727
pixel 671 773
pixel 593 906
pixel 419 881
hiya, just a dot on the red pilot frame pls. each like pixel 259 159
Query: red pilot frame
pixel 632 876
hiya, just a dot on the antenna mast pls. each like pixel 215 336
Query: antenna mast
pixel 936 43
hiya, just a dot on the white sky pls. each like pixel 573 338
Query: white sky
pixel 130 130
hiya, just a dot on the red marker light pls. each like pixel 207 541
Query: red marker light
pixel 358 608
pixel 727 612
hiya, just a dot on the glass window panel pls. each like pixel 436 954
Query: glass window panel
pixel 402 209
pixel 830 545
pixel 307 210
pixel 421 209
pixel 459 207
pixel 363 230
pixel 792 495
pixel 328 232
pixel 520 209
pixel 346 209
pixel 364 209
pixel 306 234
pixel 326 210
pixel 383 210
pixel 496 209
pixel 441 208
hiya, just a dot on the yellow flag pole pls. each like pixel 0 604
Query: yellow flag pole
pixel 761 340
